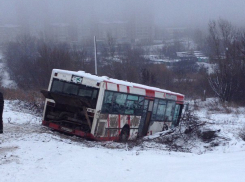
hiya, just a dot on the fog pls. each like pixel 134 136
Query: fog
pixel 37 15
pixel 168 13
pixel 198 12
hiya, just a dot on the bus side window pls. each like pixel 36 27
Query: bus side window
pixel 122 103
pixel 107 104
pixel 170 111
pixel 139 106
pixel 159 109
pixel 154 112
pixel 129 107
pixel 119 103
pixel 176 114
pixel 131 104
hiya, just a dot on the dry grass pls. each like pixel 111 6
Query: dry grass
pixel 217 106
pixel 33 100
pixel 242 133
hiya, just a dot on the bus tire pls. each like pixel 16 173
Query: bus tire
pixel 124 135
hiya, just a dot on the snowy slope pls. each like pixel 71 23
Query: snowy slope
pixel 30 152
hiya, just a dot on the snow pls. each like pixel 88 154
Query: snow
pixel 157 59
pixel 31 152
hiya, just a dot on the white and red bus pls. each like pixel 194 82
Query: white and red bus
pixel 102 108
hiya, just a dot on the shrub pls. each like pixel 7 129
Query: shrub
pixel 242 133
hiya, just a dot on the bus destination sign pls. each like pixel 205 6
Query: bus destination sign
pixel 77 79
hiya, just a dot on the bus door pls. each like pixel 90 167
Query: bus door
pixel 146 117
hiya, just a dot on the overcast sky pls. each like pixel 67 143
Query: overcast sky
pixel 167 13
pixel 197 12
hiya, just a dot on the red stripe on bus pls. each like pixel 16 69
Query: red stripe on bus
pixel 106 86
pixel 75 132
pixel 179 102
pixel 118 89
pixel 109 82
pixel 180 98
pixel 80 133
pixel 54 126
pixel 128 90
pixel 119 123
pixel 45 123
pixel 150 90
pixel 149 98
pixel 150 93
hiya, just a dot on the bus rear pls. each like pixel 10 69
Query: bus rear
pixel 70 103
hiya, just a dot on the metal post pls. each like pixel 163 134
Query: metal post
pixel 95 55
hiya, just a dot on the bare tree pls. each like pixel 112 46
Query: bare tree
pixel 30 61
pixel 225 43
pixel 111 45
pixel 21 57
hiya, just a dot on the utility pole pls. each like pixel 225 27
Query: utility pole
pixel 95 55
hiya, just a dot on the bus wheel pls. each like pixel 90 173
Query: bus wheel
pixel 124 135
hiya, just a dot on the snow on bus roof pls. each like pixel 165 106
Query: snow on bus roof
pixel 112 80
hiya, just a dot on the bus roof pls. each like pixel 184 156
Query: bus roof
pixel 115 81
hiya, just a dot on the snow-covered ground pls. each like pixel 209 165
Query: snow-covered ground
pixel 31 152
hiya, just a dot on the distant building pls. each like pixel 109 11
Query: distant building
pixel 142 26
pixel 84 32
pixel 159 34
pixel 200 56
pixel 175 33
pixel 116 29
pixel 60 32
pixel 192 55
pixel 137 29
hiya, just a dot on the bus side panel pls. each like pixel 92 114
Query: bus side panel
pixel 90 82
pixel 113 128
pixel 110 125
pixel 133 122
pixel 134 126
pixel 101 125
pixel 98 108
pixel 124 119
pixel 107 126
pixel 45 106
